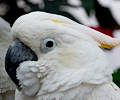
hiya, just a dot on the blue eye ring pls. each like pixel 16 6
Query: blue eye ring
pixel 48 44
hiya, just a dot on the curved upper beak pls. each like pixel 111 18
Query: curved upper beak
pixel 16 54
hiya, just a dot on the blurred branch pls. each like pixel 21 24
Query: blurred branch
pixel 105 17
pixel 103 14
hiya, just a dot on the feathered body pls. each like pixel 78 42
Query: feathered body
pixel 7 87
pixel 76 69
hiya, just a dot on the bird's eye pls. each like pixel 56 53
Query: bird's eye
pixel 48 45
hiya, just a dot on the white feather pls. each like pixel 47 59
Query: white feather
pixel 7 88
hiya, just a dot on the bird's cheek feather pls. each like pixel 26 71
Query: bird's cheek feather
pixel 27 76
pixel 67 56
pixel 30 75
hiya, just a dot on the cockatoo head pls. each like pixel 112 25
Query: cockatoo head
pixel 52 53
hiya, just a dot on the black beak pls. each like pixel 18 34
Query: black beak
pixel 16 54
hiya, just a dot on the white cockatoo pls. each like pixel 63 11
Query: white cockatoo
pixel 55 58
pixel 7 87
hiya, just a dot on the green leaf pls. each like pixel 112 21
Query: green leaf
pixel 116 77
pixel 88 5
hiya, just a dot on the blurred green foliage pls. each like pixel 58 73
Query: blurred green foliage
pixel 103 14
pixel 116 77
pixel 88 5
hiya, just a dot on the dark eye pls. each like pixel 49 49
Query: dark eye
pixel 48 45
